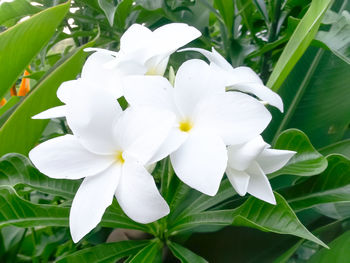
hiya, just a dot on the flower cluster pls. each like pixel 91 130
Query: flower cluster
pixel 208 122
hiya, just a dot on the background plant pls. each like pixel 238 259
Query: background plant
pixel 299 48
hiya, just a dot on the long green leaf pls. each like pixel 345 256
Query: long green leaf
pixel 110 252
pixel 185 255
pixel 333 185
pixel 15 10
pixel 342 147
pixel 15 170
pixel 298 43
pixel 20 44
pixel 253 213
pixel 20 133
pixel 150 253
pixel 339 251
pixel 306 162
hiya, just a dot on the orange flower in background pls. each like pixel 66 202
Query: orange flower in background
pixel 2 102
pixel 24 88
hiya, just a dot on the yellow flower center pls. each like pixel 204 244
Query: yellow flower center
pixel 119 157
pixel 185 125
pixel 152 71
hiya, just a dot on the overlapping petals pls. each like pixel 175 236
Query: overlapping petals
pixel 248 165
pixel 208 118
pixel 241 78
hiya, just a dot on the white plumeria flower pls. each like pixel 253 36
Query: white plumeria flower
pixel 248 165
pixel 142 52
pixel 208 119
pixel 110 148
pixel 241 78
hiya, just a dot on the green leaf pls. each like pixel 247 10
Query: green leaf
pixel 20 133
pixel 339 210
pixel 226 9
pixel 254 213
pixel 16 170
pixel 109 252
pixel 150 4
pixel 313 96
pixel 289 253
pixel 108 8
pixel 185 255
pixel 150 253
pixel 333 185
pixel 337 39
pixel 22 42
pixel 339 251
pixel 306 162
pixel 18 212
pixel 342 147
pixel 15 10
pixel 298 43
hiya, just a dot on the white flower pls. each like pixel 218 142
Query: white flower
pixel 142 52
pixel 110 148
pixel 248 165
pixel 208 119
pixel 240 78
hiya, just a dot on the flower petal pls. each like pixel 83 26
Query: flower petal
pixel 138 195
pixel 131 39
pixel 65 157
pixel 94 195
pixel 56 112
pixel 238 179
pixel 193 82
pixel 174 140
pixel 200 162
pixel 141 131
pixel 149 91
pixel 271 160
pixel 259 186
pixel 242 155
pixel 262 92
pixel 235 116
pixel 92 117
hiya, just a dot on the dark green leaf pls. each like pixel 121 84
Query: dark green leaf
pixel 150 4
pixel 20 44
pixel 253 213
pixel 339 251
pixel 226 9
pixel 333 185
pixel 342 147
pixel 337 39
pixel 15 170
pixel 298 43
pixel 306 162
pixel 150 253
pixel 110 252
pixel 108 8
pixel 185 255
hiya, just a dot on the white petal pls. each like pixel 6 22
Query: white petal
pixel 242 155
pixel 238 179
pixel 131 40
pixel 93 49
pixel 200 162
pixel 141 131
pixel 92 117
pixel 69 90
pixel 138 195
pixel 174 140
pixel 157 65
pixel 271 160
pixel 65 157
pixel 262 92
pixel 149 91
pixel 94 195
pixel 56 112
pixel 170 37
pixel 259 186
pixel 213 57
pixel 195 81
pixel 235 116
pixel 243 75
